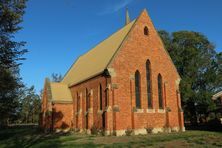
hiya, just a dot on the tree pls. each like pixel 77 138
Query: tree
pixel 11 51
pixel 199 66
pixel 56 77
pixel 30 106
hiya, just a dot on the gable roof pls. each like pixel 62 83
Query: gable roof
pixel 60 92
pixel 96 60
pixel 217 95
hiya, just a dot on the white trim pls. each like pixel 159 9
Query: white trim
pixel 183 129
pixel 140 131
pixel 108 108
pixel 58 130
pixel 157 130
pixel 80 111
pixel 215 96
pixel 90 110
pixel 175 129
pixel 150 110
pixel 120 132
pixel 99 111
pixel 91 92
pixel 161 111
pixel 139 111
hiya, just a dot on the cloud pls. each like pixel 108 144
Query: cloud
pixel 115 7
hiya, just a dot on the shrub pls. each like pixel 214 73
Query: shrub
pixel 149 130
pixel 102 132
pixel 211 116
pixel 114 133
pixel 168 109
pixel 219 115
pixel 129 132
pixel 214 123
pixel 94 130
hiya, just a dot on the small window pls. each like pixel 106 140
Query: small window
pixel 146 30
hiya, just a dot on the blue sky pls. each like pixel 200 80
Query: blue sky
pixel 58 31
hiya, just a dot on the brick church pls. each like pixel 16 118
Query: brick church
pixel 128 81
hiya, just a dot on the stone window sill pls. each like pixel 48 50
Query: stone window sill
pixel 108 108
pixel 139 111
pixel 161 111
pixel 77 113
pixel 100 112
pixel 150 110
pixel 90 110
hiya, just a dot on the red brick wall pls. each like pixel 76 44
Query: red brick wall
pixel 55 115
pixel 62 116
pixel 95 115
pixel 133 55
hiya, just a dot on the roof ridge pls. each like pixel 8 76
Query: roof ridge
pixel 134 22
pixel 106 38
pixel 70 68
pixel 217 94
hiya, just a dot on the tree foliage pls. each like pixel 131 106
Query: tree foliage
pixel 56 77
pixel 199 66
pixel 11 52
pixel 30 106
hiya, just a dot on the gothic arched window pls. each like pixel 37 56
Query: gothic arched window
pixel 149 84
pixel 77 102
pixel 87 99
pixel 107 97
pixel 137 89
pixel 160 91
pixel 100 96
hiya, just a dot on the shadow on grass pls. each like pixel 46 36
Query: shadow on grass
pixel 213 126
pixel 32 136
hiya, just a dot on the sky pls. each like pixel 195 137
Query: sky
pixel 57 32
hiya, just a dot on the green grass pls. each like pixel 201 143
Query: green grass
pixel 31 137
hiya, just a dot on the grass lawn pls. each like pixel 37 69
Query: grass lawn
pixel 30 137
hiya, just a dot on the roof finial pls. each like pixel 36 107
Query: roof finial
pixel 127 16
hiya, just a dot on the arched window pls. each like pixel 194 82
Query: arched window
pixel 137 89
pixel 149 84
pixel 77 102
pixel 77 108
pixel 160 91
pixel 87 100
pixel 107 97
pixel 87 107
pixel 100 96
pixel 146 30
